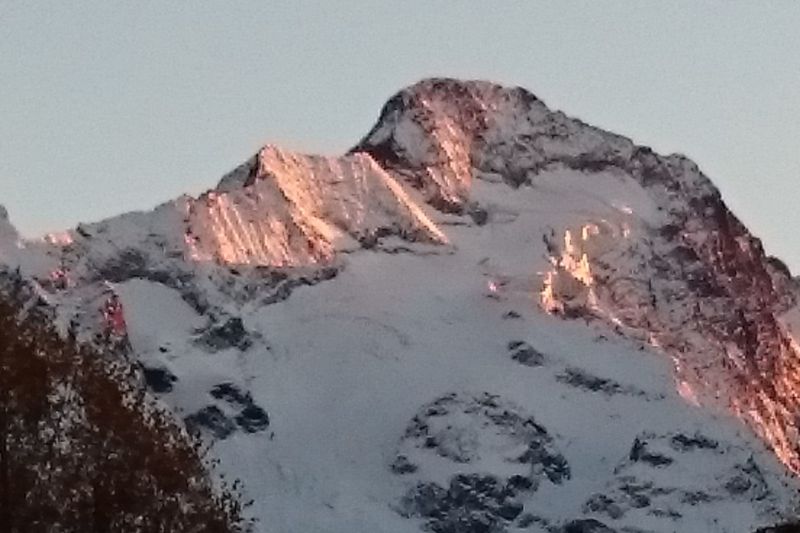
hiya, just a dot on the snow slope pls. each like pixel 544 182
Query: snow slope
pixel 376 342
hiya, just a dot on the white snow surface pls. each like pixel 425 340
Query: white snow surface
pixel 351 360
pixel 342 362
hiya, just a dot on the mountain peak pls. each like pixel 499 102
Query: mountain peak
pixel 545 219
pixel 465 98
pixel 435 125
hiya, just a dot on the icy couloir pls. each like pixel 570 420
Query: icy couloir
pixel 427 382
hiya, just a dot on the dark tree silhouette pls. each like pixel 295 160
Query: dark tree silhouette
pixel 83 448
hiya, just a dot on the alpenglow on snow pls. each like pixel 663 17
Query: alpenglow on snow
pixel 487 316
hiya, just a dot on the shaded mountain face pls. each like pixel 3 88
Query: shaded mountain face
pixel 487 316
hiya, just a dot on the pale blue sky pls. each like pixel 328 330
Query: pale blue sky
pixel 111 106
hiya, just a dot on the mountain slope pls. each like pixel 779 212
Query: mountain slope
pixel 376 342
pixel 671 265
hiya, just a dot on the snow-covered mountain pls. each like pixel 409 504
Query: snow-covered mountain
pixel 486 317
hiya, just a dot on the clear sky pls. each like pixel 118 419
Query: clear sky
pixel 110 106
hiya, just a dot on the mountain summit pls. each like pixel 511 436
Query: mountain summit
pixel 487 316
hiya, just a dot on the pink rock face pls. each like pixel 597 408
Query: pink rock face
pixel 687 277
pixel 441 243
pixel 678 270
pixel 693 281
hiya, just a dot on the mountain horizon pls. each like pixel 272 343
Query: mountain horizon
pixel 486 316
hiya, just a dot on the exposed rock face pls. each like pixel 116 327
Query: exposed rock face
pixel 8 234
pixel 286 209
pixel 276 223
pixel 679 271
pixel 581 379
pixel 493 208
pixel 698 285
pixel 470 504
pixel 233 408
pixel 463 432
pixel 525 354
pixel 251 417
pixel 159 380
pixel 210 419
pixel 231 334
pixel 465 429
pixel 665 476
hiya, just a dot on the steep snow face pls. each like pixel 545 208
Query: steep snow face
pixel 430 391
pixel 279 209
pixel 285 209
pixel 669 263
pixel 375 342
pixel 407 392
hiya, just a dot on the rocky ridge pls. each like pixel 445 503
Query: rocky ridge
pixel 639 246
